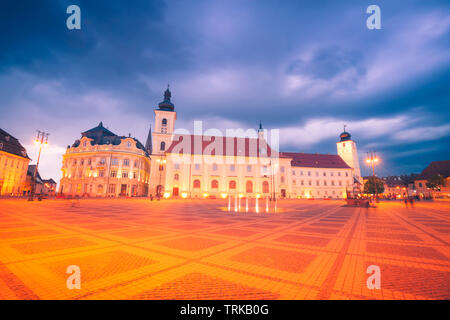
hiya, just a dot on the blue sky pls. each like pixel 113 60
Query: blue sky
pixel 304 67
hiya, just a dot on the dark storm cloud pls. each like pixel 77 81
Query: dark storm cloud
pixel 327 63
pixel 306 66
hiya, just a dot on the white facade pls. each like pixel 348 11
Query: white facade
pixel 195 170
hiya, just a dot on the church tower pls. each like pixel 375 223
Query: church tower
pixel 346 149
pixel 165 117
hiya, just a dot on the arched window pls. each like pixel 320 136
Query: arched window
pixel 163 146
pixel 232 184
pixel 99 188
pixel 197 184
pixel 249 187
pixel 265 187
pixel 164 122
pixel 176 177
pixel 214 184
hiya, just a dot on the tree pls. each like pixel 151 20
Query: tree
pixel 374 185
pixel 436 182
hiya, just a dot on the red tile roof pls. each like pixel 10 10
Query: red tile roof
pixel 217 145
pixel 314 160
pixel 437 168
pixel 248 147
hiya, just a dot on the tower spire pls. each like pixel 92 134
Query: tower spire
pixel 148 144
pixel 166 104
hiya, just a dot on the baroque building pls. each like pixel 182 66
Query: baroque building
pixel 13 165
pixel 103 164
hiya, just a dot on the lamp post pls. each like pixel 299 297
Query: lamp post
pixel 372 160
pixel 161 163
pixel 41 140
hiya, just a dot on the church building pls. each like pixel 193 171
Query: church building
pixel 186 165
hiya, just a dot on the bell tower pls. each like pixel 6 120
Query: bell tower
pixel 165 116
pixel 346 149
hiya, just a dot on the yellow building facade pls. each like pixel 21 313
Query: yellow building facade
pixel 13 165
pixel 102 164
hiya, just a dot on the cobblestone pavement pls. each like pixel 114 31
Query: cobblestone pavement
pixel 196 249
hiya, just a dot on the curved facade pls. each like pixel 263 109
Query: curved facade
pixel 102 164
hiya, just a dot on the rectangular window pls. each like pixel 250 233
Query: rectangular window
pixel 293 172
pixel 115 162
pixel 324 174
pixel 125 174
pixel 340 182
pixel 324 182
pixel 249 168
pixel 232 167
pixel 113 174
pixel 176 166
pixel 102 161
pixel 197 166
pixel 346 174
pixel 282 169
pixel 317 182
pixel 126 162
pixel 301 173
pixel 136 163
pixel 101 173
pixel 309 173
pixel 214 167
pixel 332 174
pixel 112 188
pixel 302 182
pixel 135 175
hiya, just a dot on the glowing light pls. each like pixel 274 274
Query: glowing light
pixel 258 196
pixel 223 195
pixel 241 196
pixel 184 195
pixel 205 195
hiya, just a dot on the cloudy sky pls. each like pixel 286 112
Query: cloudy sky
pixel 304 67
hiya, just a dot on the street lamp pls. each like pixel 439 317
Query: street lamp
pixel 161 163
pixel 42 141
pixel 372 160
